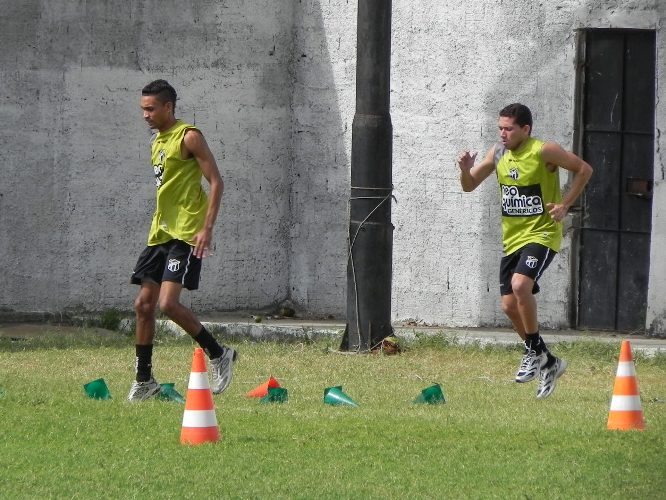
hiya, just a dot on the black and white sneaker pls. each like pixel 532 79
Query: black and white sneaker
pixel 222 370
pixel 530 366
pixel 140 391
pixel 548 378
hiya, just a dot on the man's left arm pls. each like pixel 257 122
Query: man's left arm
pixel 553 154
pixel 196 145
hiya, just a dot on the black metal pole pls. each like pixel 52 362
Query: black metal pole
pixel 370 229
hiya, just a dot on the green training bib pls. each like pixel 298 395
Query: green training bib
pixel 526 187
pixel 181 201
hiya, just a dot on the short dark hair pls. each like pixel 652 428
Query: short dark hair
pixel 520 113
pixel 162 90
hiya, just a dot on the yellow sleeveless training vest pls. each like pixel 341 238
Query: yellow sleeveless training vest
pixel 526 186
pixel 181 201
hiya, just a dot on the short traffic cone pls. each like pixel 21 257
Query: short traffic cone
pixel 169 393
pixel 336 397
pixel 262 390
pixel 199 419
pixel 276 395
pixel 97 389
pixel 625 408
pixel 432 395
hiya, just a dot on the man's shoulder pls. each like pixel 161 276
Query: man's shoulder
pixel 499 150
pixel 536 143
pixel 184 127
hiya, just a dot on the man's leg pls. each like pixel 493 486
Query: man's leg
pixel 510 308
pixel 144 306
pixel 169 302
pixel 526 305
pixel 221 357
pixel 509 301
pixel 524 310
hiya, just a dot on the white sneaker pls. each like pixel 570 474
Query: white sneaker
pixel 548 378
pixel 530 366
pixel 222 370
pixel 141 391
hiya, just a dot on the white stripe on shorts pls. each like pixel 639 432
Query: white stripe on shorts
pixel 545 259
pixel 187 266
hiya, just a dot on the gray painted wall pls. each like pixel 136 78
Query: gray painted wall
pixel 271 85
pixel 77 195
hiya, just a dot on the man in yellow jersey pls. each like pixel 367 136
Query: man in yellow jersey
pixel 180 237
pixel 527 171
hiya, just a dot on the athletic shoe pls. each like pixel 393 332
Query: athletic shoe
pixel 548 378
pixel 141 391
pixel 222 369
pixel 530 365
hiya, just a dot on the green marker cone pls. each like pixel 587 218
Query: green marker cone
pixel 334 396
pixel 432 395
pixel 168 393
pixel 276 395
pixel 97 389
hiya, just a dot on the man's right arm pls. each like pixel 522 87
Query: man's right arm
pixel 472 175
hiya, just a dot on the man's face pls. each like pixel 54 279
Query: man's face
pixel 155 112
pixel 511 134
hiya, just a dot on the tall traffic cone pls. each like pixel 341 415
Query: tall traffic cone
pixel 625 408
pixel 199 419
pixel 262 390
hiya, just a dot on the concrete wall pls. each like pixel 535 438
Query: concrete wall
pixel 271 84
pixel 77 193
pixel 453 69
pixel 324 67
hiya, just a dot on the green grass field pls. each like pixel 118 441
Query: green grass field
pixel 492 439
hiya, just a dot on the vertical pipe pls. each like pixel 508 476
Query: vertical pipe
pixel 369 269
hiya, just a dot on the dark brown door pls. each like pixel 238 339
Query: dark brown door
pixel 617 139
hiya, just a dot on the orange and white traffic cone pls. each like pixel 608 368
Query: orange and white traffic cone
pixel 625 408
pixel 199 419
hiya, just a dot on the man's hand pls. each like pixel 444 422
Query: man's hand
pixel 466 160
pixel 557 211
pixel 472 175
pixel 202 243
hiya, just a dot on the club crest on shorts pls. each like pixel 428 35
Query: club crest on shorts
pixel 531 262
pixel 173 265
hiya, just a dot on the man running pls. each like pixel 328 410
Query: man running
pixel 527 171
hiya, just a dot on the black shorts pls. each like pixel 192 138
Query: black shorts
pixel 171 261
pixel 531 260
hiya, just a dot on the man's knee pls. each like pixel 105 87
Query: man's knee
pixel 144 307
pixel 168 305
pixel 522 286
pixel 509 306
